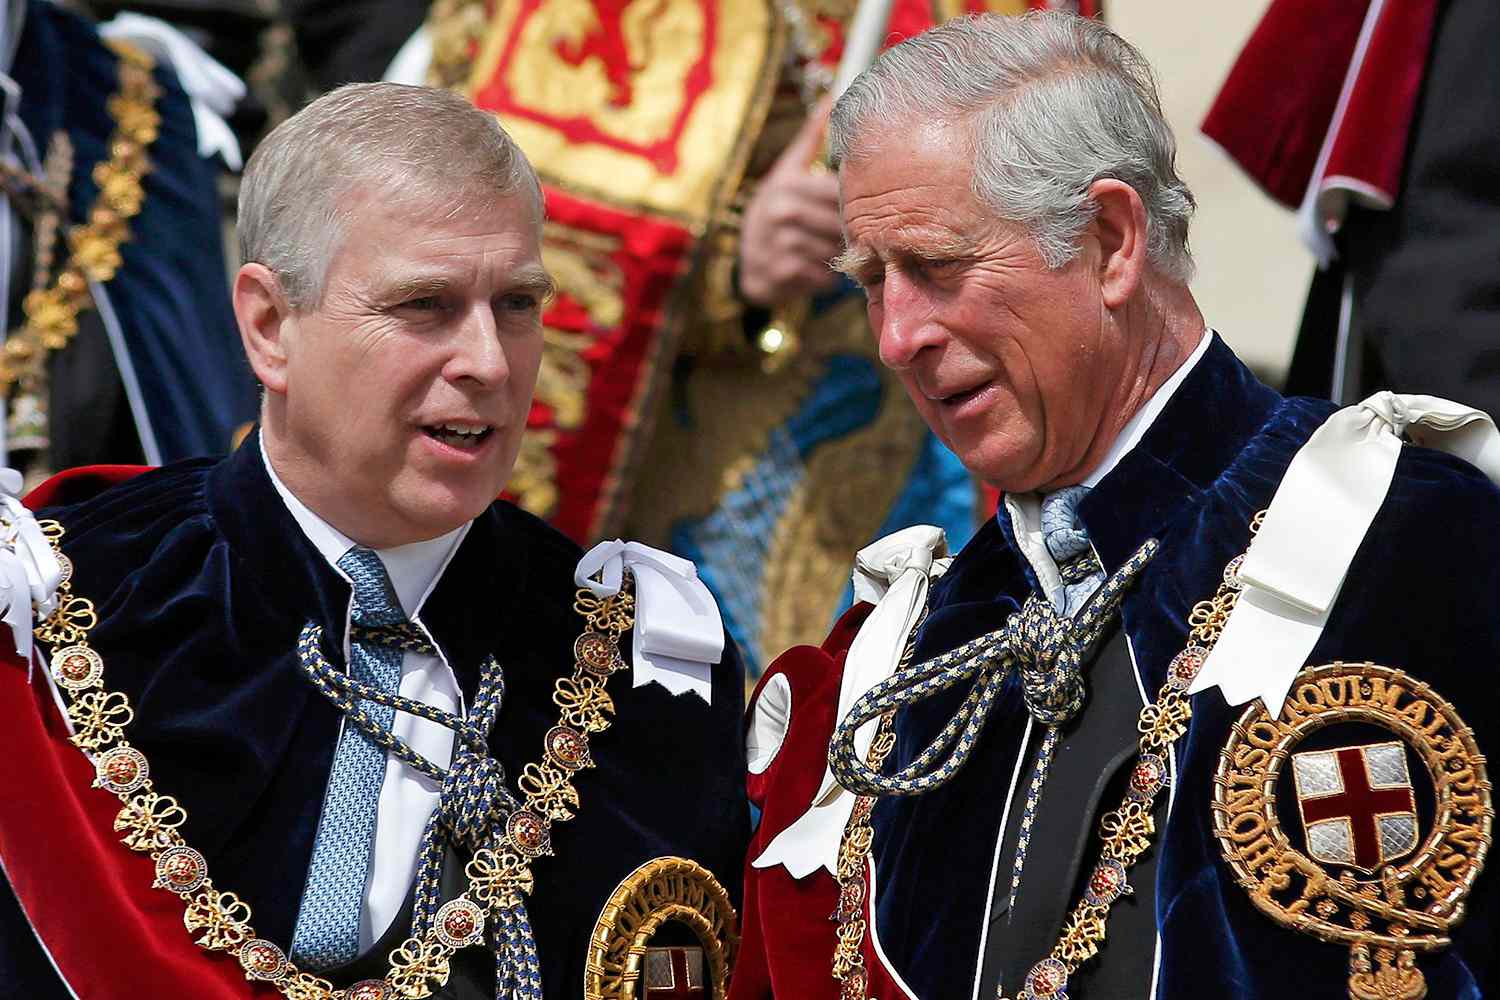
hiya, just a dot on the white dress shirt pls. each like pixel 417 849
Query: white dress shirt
pixel 1025 509
pixel 407 797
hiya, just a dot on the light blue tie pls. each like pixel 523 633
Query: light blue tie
pixel 327 932
pixel 1067 541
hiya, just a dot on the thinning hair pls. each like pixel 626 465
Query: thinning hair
pixel 409 145
pixel 1053 102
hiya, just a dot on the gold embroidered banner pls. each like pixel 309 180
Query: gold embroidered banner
pixel 638 116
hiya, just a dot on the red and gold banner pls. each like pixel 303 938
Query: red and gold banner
pixel 639 118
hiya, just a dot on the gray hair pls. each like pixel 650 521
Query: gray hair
pixel 415 144
pixel 1054 102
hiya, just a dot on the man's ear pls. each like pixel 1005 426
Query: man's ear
pixel 261 310
pixel 1120 227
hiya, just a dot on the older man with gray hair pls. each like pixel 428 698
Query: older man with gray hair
pixel 353 727
pixel 1113 749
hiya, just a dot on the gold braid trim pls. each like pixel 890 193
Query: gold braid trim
pixel 149 822
pixel 663 890
pixel 854 857
pixel 52 313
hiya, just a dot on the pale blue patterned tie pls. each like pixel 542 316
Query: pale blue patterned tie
pixel 327 931
pixel 1067 541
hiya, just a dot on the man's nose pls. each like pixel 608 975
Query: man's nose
pixel 904 321
pixel 479 350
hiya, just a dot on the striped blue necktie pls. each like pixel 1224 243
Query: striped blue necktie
pixel 327 932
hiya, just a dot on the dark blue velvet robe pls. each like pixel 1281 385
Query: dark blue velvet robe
pixel 1421 595
pixel 203 581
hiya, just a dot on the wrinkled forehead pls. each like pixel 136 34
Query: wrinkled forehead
pixel 933 158
pixel 909 192
pixel 381 224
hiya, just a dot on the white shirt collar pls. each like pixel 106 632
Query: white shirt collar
pixel 1130 435
pixel 414 569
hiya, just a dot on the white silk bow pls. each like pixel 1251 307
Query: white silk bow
pixel 894 574
pixel 678 633
pixel 1295 567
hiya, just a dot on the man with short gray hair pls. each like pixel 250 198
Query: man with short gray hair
pixel 360 718
pixel 1111 749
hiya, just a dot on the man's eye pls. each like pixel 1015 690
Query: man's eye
pixel 939 266
pixel 520 302
pixel 423 303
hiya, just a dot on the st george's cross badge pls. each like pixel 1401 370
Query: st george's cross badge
pixel 1357 803
pixel 1380 832
pixel 668 932
pixel 674 973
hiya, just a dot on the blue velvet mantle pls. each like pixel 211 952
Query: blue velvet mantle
pixel 1422 595
pixel 203 581
pixel 170 293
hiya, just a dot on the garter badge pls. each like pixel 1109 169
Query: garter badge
pixel 667 933
pixel 1362 815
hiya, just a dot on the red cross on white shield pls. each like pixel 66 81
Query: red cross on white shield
pixel 1358 807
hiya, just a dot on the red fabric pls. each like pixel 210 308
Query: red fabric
pixel 1278 104
pixel 786 948
pixel 1369 146
pixel 651 256
pixel 89 897
pixel 1273 111
pixel 73 485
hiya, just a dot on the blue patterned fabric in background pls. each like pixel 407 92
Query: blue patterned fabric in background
pixel 733 546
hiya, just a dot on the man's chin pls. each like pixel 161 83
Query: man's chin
pixel 1005 473
pixel 440 508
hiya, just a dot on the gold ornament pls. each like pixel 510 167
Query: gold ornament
pixel 661 891
pixel 218 921
pixel 1362 872
pixel 52 312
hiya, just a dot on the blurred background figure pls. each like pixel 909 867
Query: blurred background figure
pixel 1380 123
pixel 120 346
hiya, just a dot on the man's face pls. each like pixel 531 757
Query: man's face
pixel 1008 361
pixel 408 385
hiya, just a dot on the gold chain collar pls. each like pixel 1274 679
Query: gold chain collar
pixel 219 921
pixel 1126 830
pixel 52 312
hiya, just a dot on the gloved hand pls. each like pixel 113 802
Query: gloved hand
pixel 29 569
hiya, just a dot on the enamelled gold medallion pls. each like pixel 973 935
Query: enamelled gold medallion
pixel 1361 814
pixel 667 931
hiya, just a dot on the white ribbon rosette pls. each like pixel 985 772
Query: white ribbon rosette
pixel 678 634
